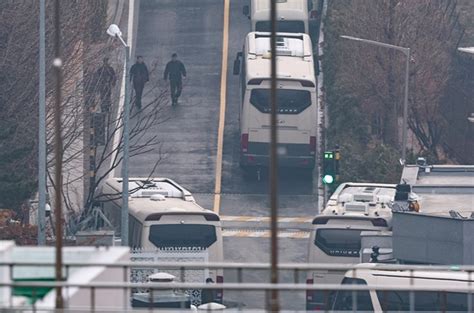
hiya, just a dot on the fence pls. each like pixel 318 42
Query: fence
pixel 412 290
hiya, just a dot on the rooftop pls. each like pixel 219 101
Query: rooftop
pixel 442 188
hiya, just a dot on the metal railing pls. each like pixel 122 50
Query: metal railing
pixel 267 288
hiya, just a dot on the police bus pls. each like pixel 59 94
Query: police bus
pixel 335 234
pixel 292 15
pixel 296 98
pixel 164 218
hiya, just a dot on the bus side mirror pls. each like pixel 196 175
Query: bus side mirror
pixel 236 66
pixel 236 70
pixel 246 11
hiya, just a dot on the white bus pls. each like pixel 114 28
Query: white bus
pixel 292 15
pixel 164 218
pixel 335 234
pixel 296 98
pixel 433 299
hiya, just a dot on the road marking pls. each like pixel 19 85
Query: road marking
pixel 266 219
pixel 220 133
pixel 245 233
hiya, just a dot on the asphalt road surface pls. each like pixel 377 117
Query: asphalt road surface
pixel 189 137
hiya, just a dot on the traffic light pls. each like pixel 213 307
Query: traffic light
pixel 329 168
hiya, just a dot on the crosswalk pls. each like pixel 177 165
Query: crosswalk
pixel 251 227
pixel 251 233
pixel 265 219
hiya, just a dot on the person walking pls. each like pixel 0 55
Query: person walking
pixel 175 71
pixel 139 76
pixel 106 80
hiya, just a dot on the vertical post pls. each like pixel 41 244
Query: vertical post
pixel 126 116
pixel 405 106
pixel 42 129
pixel 58 152
pixel 274 306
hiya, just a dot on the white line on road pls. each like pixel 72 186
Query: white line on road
pixel 245 233
pixel 305 219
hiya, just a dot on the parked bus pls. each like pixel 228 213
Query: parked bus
pixel 335 235
pixel 164 217
pixel 292 15
pixel 434 299
pixel 296 98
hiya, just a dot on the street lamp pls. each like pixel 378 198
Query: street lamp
pixel 114 31
pixel 471 51
pixel 406 51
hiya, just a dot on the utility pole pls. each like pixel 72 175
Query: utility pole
pixel 274 305
pixel 42 129
pixel 58 154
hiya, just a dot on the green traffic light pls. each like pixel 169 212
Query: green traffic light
pixel 328 179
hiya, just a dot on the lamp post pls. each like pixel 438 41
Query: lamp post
pixel 114 31
pixel 42 129
pixel 406 51
pixel 469 50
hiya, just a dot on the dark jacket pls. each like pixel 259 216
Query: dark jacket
pixel 106 77
pixel 139 73
pixel 175 70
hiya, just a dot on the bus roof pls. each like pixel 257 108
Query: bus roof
pixel 150 196
pixel 365 199
pixel 286 10
pixel 294 57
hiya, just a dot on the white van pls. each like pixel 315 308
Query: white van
pixel 164 217
pixel 292 15
pixel 296 98
pixel 434 299
pixel 335 234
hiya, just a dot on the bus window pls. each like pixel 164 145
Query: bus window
pixel 282 26
pixel 339 242
pixel 432 301
pixel 394 301
pixel 182 235
pixel 289 101
pixel 344 300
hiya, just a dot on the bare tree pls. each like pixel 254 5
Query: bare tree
pixel 83 47
pixel 375 75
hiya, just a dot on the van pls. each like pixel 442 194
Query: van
pixel 446 291
pixel 292 15
pixel 336 232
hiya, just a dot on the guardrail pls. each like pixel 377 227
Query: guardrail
pixel 239 286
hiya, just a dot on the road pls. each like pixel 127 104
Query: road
pixel 189 136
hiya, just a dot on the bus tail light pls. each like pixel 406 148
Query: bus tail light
pixel 244 143
pixel 309 293
pixel 219 292
pixel 312 145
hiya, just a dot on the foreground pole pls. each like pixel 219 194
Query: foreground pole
pixel 58 151
pixel 274 303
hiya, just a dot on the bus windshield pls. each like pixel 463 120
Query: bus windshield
pixel 183 235
pixel 289 101
pixel 339 242
pixel 282 26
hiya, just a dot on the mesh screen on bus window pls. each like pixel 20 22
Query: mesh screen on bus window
pixel 339 242
pixel 282 26
pixel 182 235
pixel 289 101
